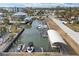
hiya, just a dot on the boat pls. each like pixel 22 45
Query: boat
pixel 20 47
pixel 30 47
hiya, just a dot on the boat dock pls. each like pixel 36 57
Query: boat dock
pixel 6 46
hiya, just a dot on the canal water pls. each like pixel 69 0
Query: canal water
pixel 31 34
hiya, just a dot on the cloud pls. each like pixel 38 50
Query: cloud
pixel 43 5
pixel 12 5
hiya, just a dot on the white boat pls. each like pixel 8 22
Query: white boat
pixel 30 47
pixel 20 47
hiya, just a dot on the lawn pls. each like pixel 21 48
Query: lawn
pixel 74 27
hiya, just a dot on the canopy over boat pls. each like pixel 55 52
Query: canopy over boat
pixel 55 38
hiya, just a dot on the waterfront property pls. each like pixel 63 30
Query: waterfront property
pixel 32 35
pixel 39 31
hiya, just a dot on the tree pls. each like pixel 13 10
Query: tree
pixel 2 30
pixel 29 11
pixel 6 21
pixel 40 13
pixel 14 28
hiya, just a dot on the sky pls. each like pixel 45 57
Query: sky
pixel 48 5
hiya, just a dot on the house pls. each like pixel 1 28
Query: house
pixel 22 17
pixel 19 15
pixel 74 19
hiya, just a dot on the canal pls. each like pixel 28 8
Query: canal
pixel 31 34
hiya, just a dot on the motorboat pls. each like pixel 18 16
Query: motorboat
pixel 30 47
pixel 20 47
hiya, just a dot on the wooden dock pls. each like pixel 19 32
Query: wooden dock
pixel 6 46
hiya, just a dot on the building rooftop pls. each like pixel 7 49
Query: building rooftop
pixel 19 13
